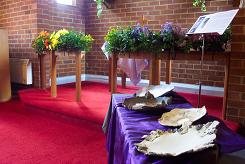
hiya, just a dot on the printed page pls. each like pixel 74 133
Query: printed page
pixel 213 23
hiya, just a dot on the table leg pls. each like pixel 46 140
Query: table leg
pixel 168 71
pixel 53 75
pixel 123 79
pixel 226 84
pixel 113 73
pixel 109 74
pixel 155 71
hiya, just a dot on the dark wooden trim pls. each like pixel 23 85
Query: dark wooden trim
pixel 226 85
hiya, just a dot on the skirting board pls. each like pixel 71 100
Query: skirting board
pixel 180 87
pixel 69 79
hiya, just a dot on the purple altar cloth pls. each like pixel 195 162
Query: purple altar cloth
pixel 125 128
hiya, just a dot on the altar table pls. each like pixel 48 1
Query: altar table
pixel 124 128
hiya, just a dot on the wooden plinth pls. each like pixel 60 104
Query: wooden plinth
pixel 113 71
pixel 155 61
pixel 78 57
pixel 42 70
pixel 154 73
pixel 53 75
pixel 5 87
pixel 168 70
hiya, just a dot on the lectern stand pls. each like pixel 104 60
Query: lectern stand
pixel 215 23
pixel 5 87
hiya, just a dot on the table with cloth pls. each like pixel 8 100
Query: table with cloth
pixel 125 127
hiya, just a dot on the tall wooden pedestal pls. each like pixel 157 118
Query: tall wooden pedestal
pixel 5 87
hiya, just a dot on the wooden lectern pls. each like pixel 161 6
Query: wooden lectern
pixel 5 87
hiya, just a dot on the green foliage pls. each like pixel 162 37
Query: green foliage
pixel 200 3
pixel 71 41
pixel 99 7
pixel 124 40
pixel 39 46
pixel 212 42
pixel 171 39
pixel 141 39
pixel 174 39
pixel 41 42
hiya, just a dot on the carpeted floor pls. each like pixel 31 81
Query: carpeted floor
pixel 94 103
pixel 29 135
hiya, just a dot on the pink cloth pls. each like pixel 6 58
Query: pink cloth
pixel 133 68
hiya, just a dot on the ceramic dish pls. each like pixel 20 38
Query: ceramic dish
pixel 155 90
pixel 174 142
pixel 178 116
pixel 148 102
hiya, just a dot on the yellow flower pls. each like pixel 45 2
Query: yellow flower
pixel 52 35
pixel 61 32
pixel 54 43
pixel 43 34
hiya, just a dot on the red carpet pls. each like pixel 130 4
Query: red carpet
pixel 93 106
pixel 213 105
pixel 95 101
pixel 28 136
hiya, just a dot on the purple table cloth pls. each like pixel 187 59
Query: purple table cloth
pixel 124 128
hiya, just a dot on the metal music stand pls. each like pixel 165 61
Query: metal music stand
pixel 209 24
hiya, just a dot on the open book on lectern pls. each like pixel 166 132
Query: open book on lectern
pixel 213 23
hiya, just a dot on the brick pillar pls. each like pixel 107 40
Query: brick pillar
pixel 236 91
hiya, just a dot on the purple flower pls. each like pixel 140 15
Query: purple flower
pixel 167 27
pixel 136 31
pixel 146 30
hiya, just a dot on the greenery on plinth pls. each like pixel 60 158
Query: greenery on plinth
pixel 142 39
pixel 41 43
pixel 171 38
pixel 70 41
pixel 62 40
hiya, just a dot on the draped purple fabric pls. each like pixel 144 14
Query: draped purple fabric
pixel 125 128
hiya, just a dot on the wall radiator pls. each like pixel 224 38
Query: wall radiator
pixel 20 71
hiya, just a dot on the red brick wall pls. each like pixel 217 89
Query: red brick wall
pixel 236 92
pixel 19 18
pixel 25 18
pixel 52 17
pixel 157 12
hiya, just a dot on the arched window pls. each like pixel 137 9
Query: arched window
pixel 67 2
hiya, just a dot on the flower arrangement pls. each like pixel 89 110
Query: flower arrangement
pixel 213 42
pixel 62 40
pixel 174 39
pixel 121 40
pixel 170 38
pixel 142 39
pixel 41 43
pixel 70 41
